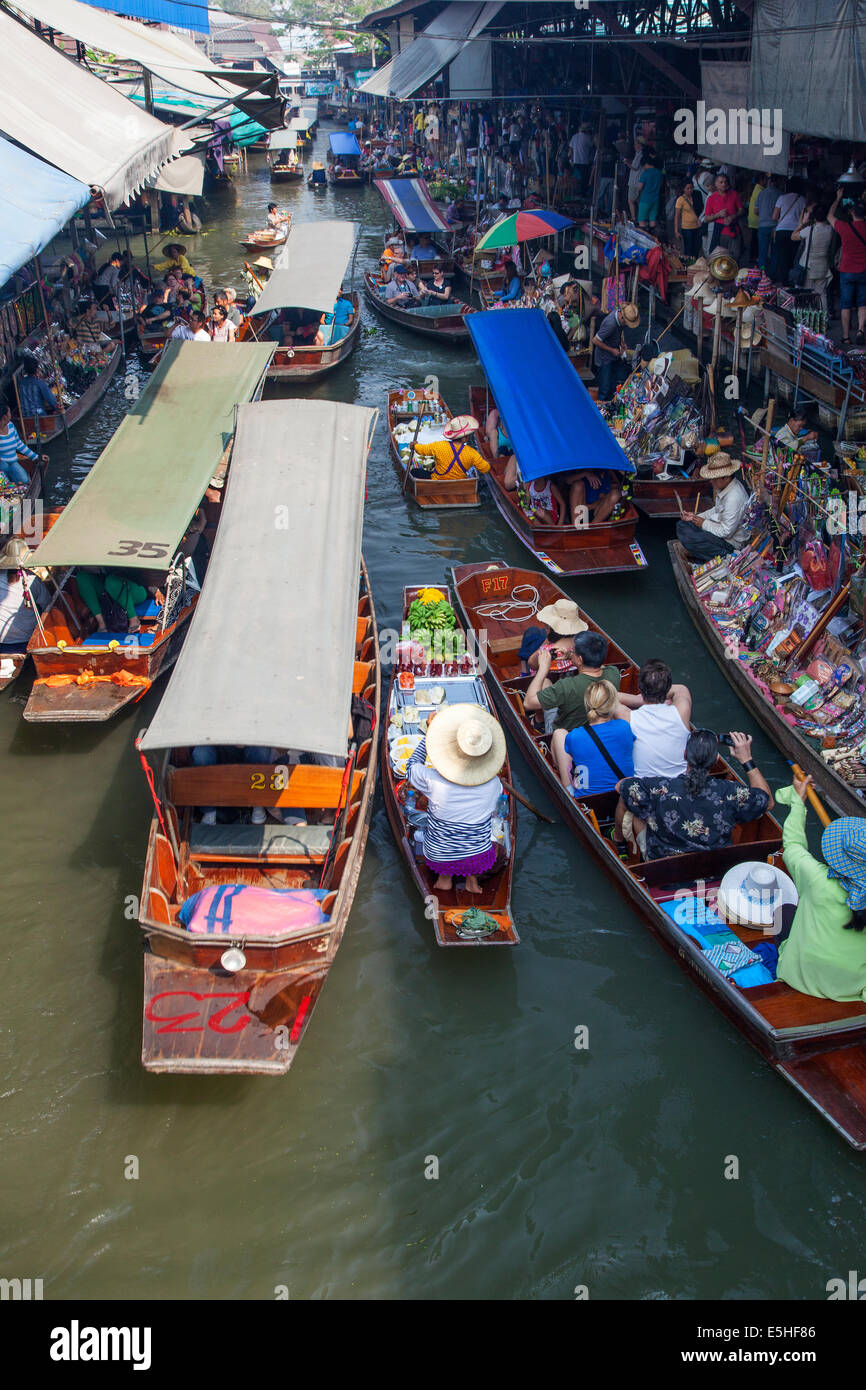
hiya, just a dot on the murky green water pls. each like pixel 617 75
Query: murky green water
pixel 556 1167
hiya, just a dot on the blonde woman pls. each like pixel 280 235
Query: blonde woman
pixel 594 757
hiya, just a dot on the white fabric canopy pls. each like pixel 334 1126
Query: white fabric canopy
pixel 433 49
pixel 56 108
pixel 183 176
pixel 309 269
pixel 270 651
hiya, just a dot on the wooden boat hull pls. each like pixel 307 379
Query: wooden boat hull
pixel 52 426
pixel 19 661
pixel 444 908
pixel 294 175
pixel 610 547
pixel 658 499
pixel 198 1019
pixel 448 328
pixel 485 281
pixel 22 513
pixel 347 180
pixel 310 363
pixel 842 797
pixel 816 1044
pixel 430 492
pixel 264 243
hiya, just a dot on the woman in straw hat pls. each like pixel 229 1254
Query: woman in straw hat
pixel 452 457
pixel 720 530
pixel 176 259
pixel 17 597
pixel 466 747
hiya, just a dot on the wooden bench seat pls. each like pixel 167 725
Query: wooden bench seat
pixel 308 787
pixel 308 842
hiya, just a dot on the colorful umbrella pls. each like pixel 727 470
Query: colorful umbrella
pixel 522 226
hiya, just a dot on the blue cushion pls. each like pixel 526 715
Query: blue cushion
pixel 149 609
pixel 102 639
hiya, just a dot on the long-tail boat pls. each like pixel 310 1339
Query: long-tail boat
pixel 231 986
pixel 447 323
pixel 450 682
pixel 420 417
pixel 554 427
pixel 819 1045
pixel 45 428
pixel 131 512
pixel 342 147
pixel 268 239
pixel 840 794
pixel 30 527
pixel 414 211
pixel 281 145
pixel 307 276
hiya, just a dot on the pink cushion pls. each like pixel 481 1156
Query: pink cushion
pixel 240 910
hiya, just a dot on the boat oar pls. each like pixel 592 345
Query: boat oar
pixel 814 800
pixel 340 817
pixel 412 452
pixel 506 786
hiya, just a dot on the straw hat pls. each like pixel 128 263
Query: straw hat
pixel 721 465
pixel 751 894
pixel 174 246
pixel 15 555
pixel 630 315
pixel 466 745
pixel 750 335
pixel 563 616
pixel 461 426
pixel 265 262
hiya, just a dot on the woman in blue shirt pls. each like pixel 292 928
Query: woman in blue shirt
pixel 580 754
pixel 650 192
pixel 513 288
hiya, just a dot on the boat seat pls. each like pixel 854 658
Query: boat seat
pixel 102 639
pixel 257 841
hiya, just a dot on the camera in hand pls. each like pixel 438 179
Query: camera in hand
pixel 726 739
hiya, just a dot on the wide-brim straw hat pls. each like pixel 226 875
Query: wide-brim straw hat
pixel 752 894
pixel 174 246
pixel 721 465
pixel 265 262
pixel 15 554
pixel 466 745
pixel 563 616
pixel 630 314
pixel 750 335
pixel 460 426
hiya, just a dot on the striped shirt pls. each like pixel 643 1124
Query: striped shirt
pixel 458 823
pixel 11 445
pixel 456 462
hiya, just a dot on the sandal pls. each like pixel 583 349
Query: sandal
pixel 621 846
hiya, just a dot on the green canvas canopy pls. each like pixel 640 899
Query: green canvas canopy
pixel 136 502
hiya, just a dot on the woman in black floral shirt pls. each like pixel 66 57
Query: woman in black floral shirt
pixel 696 811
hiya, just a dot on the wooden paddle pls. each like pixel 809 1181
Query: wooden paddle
pixel 412 453
pixel 506 786
pixel 812 797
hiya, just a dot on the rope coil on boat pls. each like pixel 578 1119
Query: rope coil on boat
pixel 503 609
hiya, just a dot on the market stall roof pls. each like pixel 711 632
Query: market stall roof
pixel 433 49
pixel 309 269
pixel 244 130
pixel 36 201
pixel 342 143
pixel 169 56
pixel 286 139
pixel 182 176
pixel 137 500
pixel 412 205
pixel 56 108
pixel 552 421
pixel 182 16
pixel 279 672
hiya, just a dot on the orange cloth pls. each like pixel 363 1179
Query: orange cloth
pixel 88 678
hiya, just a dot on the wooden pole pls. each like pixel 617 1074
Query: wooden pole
pixel 812 797
pixel 547 166
pixel 770 408
pixel 58 378
pixel 799 656
pixel 507 787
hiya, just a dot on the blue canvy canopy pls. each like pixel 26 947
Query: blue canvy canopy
pixel 342 143
pixel 412 205
pixel 552 421
pixel 36 201
pixel 181 16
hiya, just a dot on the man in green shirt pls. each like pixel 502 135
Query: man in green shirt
pixel 566 696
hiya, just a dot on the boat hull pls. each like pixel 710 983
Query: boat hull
pixel 52 426
pixel 448 328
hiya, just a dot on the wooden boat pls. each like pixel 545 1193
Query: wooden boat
pixel 446 908
pixel 16 512
pixel 566 550
pixel 446 323
pixel 152 340
pixel 83 676
pixel 287 173
pixel 41 521
pixel 236 1000
pixel 427 491
pixel 487 281
pixel 816 1044
pixel 415 213
pixel 347 178
pixel 267 240
pixel 657 497
pixel 841 795
pixel 309 363
pixel 52 426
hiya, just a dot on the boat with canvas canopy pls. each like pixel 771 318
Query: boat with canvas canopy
pixel 818 1045
pixel 411 204
pixel 344 161
pixel 131 513
pixel 555 430
pixel 305 284
pixel 267 758
pixel 284 163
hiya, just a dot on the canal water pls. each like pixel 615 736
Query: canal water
pixel 439 1135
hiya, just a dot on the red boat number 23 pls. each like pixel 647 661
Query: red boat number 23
pixel 180 1022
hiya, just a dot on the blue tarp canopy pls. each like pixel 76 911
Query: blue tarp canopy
pixel 343 144
pixel 173 12
pixel 412 205
pixel 36 201
pixel 552 421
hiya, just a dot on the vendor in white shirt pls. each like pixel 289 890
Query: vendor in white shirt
pixel 721 529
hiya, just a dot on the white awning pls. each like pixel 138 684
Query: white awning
pixel 269 656
pixel 183 176
pixel 433 49
pixel 51 105
pixel 309 269
pixel 169 56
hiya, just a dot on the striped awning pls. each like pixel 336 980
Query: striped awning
pixel 412 205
